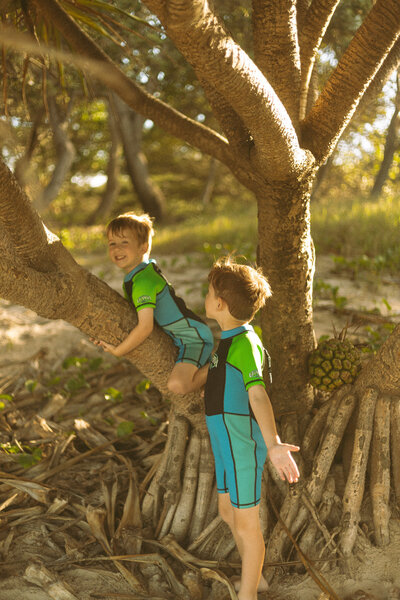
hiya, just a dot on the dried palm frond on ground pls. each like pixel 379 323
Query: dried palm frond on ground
pixel 77 445
pixel 82 451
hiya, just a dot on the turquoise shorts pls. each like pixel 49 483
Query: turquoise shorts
pixel 239 453
pixel 195 344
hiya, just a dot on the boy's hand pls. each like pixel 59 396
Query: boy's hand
pixel 109 348
pixel 106 346
pixel 283 461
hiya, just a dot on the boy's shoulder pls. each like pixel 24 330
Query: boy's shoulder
pixel 245 343
pixel 146 270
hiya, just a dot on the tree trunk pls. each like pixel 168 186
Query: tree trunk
pixel 149 195
pixel 113 170
pixel 286 255
pixel 210 183
pixel 65 154
pixel 23 171
pixel 391 146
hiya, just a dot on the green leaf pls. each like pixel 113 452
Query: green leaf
pixel 53 381
pixel 29 459
pixel 145 415
pixel 76 383
pixel 95 363
pixel 74 361
pixel 113 395
pixel 30 384
pixel 6 397
pixel 142 386
pixel 125 428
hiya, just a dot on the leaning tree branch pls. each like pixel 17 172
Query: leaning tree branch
pixel 29 238
pixel 106 71
pixel 67 291
pixel 302 7
pixel 389 65
pixel 58 299
pixel 316 22
pixel 232 125
pixel 338 101
pixel 276 50
pixel 202 38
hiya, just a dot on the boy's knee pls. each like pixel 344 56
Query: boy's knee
pixel 225 512
pixel 176 386
pixel 246 524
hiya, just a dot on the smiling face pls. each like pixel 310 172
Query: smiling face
pixel 125 250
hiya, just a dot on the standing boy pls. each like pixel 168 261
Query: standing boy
pixel 154 299
pixel 239 414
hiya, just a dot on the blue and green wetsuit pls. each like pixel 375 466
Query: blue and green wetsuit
pixel 236 440
pixel 146 287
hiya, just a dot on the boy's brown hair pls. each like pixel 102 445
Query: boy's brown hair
pixel 243 288
pixel 140 225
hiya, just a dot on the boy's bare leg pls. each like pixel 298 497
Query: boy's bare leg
pixel 247 536
pixel 181 379
pixel 248 530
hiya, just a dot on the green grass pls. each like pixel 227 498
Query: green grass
pixel 364 235
pixel 212 230
pixel 366 232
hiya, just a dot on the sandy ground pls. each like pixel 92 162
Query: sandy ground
pixel 23 334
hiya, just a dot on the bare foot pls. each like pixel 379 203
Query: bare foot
pixel 262 584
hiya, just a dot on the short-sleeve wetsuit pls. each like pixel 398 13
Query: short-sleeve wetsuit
pixel 146 287
pixel 236 440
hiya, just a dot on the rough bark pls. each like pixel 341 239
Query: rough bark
pixel 265 153
pixel 316 22
pixel 349 81
pixel 105 70
pixel 380 471
pixel 39 273
pixel 276 50
pixel 287 255
pixel 202 38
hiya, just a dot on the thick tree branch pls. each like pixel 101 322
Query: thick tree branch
pixel 29 237
pixel 317 20
pixel 302 7
pixel 342 93
pixel 231 124
pixel 202 38
pixel 52 295
pixel 276 50
pixel 105 70
pixel 389 65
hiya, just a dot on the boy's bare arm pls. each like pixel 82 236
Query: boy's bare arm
pixel 279 453
pixel 138 334
pixel 200 377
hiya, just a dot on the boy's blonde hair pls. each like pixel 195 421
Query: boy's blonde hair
pixel 244 289
pixel 140 225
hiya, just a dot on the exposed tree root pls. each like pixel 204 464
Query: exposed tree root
pixel 380 471
pixel 395 445
pixel 354 490
pixel 205 486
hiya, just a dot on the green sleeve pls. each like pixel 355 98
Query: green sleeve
pixel 147 284
pixel 246 355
